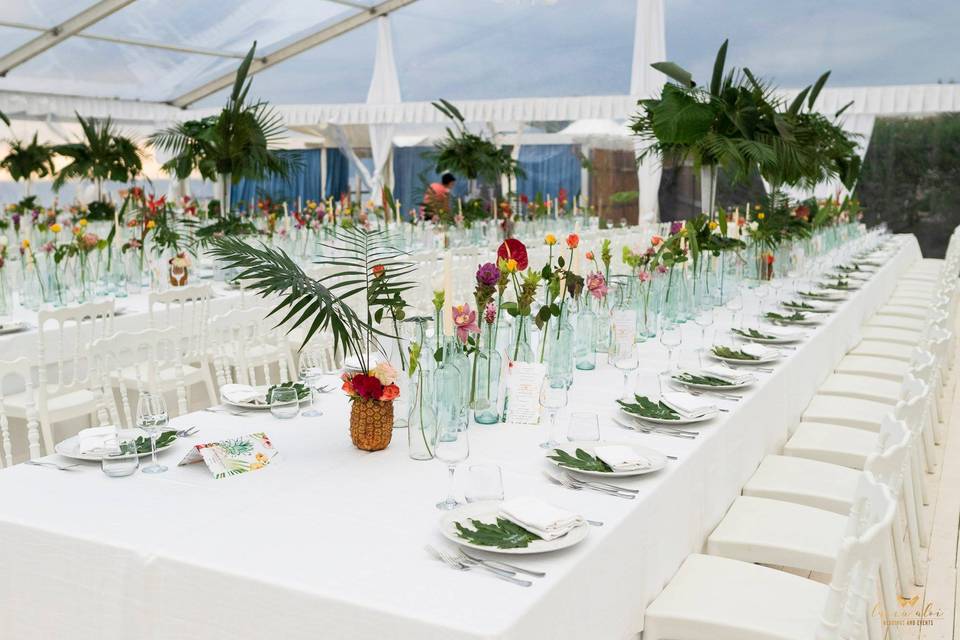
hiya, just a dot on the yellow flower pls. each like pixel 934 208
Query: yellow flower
pixel 760 216
pixel 25 244
pixel 550 239
pixel 56 228
pixel 511 265
pixel 713 225
pixel 83 222
pixel 151 224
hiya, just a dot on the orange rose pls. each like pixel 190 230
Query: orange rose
pixel 390 392
pixel 655 240
pixel 573 241
pixel 589 255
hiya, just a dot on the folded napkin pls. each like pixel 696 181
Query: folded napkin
pixel 782 332
pixel 620 457
pixel 733 376
pixel 536 516
pixel 95 439
pixel 240 393
pixel 687 405
pixel 758 350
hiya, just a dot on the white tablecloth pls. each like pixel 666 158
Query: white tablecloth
pixel 329 542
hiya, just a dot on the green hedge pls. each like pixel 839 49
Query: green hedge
pixel 911 178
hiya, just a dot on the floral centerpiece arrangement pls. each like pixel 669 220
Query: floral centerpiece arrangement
pixel 350 304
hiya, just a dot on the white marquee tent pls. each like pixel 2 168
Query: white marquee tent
pixel 147 63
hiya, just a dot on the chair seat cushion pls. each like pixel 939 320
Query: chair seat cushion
pixel 59 406
pixel 882 349
pixel 874 366
pixel 804 481
pixel 897 322
pixel 713 598
pixel 167 376
pixel 850 412
pixel 921 311
pixel 886 334
pixel 831 443
pixel 862 387
pixel 779 533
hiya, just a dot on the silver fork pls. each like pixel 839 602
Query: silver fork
pixel 608 485
pixel 48 463
pixel 704 392
pixel 242 414
pixel 497 564
pixel 186 433
pixel 452 561
pixel 565 481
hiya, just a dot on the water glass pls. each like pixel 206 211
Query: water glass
pixel 484 482
pixel 284 403
pixel 151 418
pixel 120 458
pixel 625 357
pixel 553 397
pixel 311 376
pixel 583 426
pixel 452 448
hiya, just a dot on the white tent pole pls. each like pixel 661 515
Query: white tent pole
pixel 649 46
pixel 384 89
pixel 323 173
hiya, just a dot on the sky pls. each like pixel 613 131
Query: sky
pixel 474 49
pixel 465 49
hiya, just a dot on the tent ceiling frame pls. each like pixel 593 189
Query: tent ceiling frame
pixel 295 48
pixel 57 34
pixel 133 42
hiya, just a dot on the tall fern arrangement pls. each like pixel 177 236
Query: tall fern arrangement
pixel 368 282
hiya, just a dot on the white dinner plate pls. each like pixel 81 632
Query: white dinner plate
pixel 487 512
pixel 770 358
pixel 681 420
pixel 12 326
pixel 711 387
pixel 69 449
pixel 262 390
pixel 830 285
pixel 656 459
pixel 808 321
pixel 827 295
pixel 813 308
pixel 772 340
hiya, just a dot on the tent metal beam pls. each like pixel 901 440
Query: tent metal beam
pixel 353 3
pixel 284 53
pixel 55 35
pixel 134 42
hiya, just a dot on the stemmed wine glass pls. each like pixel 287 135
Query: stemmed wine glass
pixel 452 448
pixel 704 320
pixel 151 418
pixel 624 356
pixel 553 397
pixel 670 337
pixel 761 293
pixel 310 376
pixel 735 306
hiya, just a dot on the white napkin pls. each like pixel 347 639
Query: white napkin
pixel 94 439
pixel 620 457
pixel 687 405
pixel 536 516
pixel 758 350
pixel 731 375
pixel 240 393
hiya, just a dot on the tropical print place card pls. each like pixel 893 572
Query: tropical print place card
pixel 233 456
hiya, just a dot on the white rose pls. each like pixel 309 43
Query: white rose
pixel 754 226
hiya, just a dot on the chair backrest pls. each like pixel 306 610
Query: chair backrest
pixel 187 309
pixel 243 344
pixel 888 461
pixel 135 359
pixel 19 368
pixel 65 336
pixel 853 585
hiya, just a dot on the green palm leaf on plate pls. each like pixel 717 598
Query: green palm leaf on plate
pixel 502 535
pixel 582 461
pixel 732 354
pixel 647 408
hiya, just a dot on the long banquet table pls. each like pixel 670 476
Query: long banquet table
pixel 329 543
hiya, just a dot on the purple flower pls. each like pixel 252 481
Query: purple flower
pixel 676 226
pixel 490 313
pixel 488 274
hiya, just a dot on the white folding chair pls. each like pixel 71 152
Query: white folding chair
pixel 714 598
pixel 20 370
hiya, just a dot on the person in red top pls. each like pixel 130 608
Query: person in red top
pixel 436 198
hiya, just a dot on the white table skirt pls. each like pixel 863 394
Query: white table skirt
pixel 329 542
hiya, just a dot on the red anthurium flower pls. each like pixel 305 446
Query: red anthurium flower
pixel 573 241
pixel 378 270
pixel 516 250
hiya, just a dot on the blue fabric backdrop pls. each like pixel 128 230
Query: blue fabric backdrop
pixel 412 173
pixel 305 183
pixel 549 167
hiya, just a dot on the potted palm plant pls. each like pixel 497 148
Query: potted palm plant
pixel 366 286
pixel 28 160
pixel 103 154
pixel 234 144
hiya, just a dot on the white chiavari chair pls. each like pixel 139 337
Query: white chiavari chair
pixel 715 598
pixel 159 352
pixel 246 348
pixel 188 310
pixel 20 370
pixel 64 337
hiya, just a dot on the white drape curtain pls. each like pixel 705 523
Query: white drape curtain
pixel 649 46
pixel 384 89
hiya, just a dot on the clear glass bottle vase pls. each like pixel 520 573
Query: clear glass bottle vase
pixel 485 388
